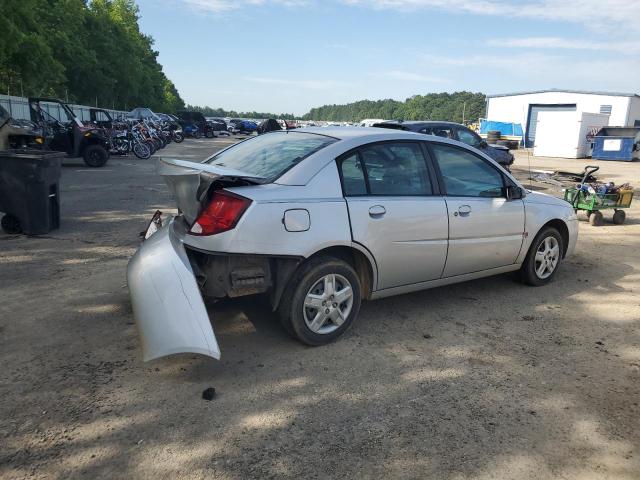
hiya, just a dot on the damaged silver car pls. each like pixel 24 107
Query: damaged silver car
pixel 321 219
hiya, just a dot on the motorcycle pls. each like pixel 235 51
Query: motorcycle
pixel 126 138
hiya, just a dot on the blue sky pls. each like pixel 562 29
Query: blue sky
pixel 291 55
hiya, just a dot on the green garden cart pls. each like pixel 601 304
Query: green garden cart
pixel 594 203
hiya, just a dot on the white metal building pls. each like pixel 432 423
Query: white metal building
pixel 524 108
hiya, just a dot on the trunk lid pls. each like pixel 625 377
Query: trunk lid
pixel 190 182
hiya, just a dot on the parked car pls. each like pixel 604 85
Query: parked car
pixel 143 113
pixel 217 124
pixel 189 119
pixel 454 131
pixel 235 125
pixel 322 218
pixel 269 125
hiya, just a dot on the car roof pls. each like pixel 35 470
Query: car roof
pixel 422 122
pixel 343 133
pixel 350 138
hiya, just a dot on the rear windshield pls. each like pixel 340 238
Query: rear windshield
pixel 270 155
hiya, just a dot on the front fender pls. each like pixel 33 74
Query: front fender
pixel 539 214
pixel 167 303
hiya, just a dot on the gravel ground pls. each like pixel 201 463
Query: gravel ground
pixel 486 379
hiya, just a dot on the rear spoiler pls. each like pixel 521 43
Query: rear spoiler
pixel 189 182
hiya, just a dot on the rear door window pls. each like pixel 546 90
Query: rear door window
pixel 390 168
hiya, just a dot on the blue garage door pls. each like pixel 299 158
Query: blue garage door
pixel 532 119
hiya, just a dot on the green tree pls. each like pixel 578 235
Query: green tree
pixel 89 52
pixel 452 107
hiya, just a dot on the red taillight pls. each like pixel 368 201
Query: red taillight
pixel 222 214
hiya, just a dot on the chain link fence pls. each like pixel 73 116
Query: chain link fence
pixel 18 107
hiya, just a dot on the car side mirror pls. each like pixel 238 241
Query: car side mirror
pixel 513 192
pixel 483 144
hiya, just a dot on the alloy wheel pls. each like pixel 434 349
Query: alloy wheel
pixel 547 257
pixel 328 304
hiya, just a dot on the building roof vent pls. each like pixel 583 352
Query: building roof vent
pixel 605 109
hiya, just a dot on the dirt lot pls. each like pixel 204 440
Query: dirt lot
pixel 487 379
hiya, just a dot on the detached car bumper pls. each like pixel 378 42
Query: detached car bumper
pixel 167 303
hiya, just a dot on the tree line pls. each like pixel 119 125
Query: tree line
pixel 453 107
pixel 460 107
pixel 84 52
pixel 93 53
pixel 221 112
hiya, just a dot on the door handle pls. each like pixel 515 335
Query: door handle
pixel 377 211
pixel 463 211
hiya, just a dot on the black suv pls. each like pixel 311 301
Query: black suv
pixel 454 131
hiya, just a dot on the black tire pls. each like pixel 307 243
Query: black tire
pixel 292 311
pixel 10 224
pixel 141 150
pixel 493 136
pixel 528 273
pixel 197 135
pixel 209 134
pixel 596 218
pixel 178 137
pixel 152 146
pixel 95 156
pixel 619 217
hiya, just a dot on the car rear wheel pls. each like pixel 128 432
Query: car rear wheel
pixel 543 259
pixel 321 301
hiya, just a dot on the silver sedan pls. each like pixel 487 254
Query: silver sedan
pixel 322 219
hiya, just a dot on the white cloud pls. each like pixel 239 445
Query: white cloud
pixel 537 70
pixel 219 6
pixel 483 60
pixel 564 44
pixel 308 84
pixel 610 15
pixel 410 76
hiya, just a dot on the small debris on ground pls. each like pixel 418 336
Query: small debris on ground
pixel 209 393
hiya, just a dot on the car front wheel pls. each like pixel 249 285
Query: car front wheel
pixel 321 301
pixel 543 259
pixel 95 156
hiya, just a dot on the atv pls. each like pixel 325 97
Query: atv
pixel 18 134
pixel 64 132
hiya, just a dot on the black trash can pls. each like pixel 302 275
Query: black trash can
pixel 29 191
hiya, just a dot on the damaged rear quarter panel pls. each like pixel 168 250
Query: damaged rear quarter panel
pixel 261 230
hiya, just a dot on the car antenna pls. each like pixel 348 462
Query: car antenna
pixel 529 162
